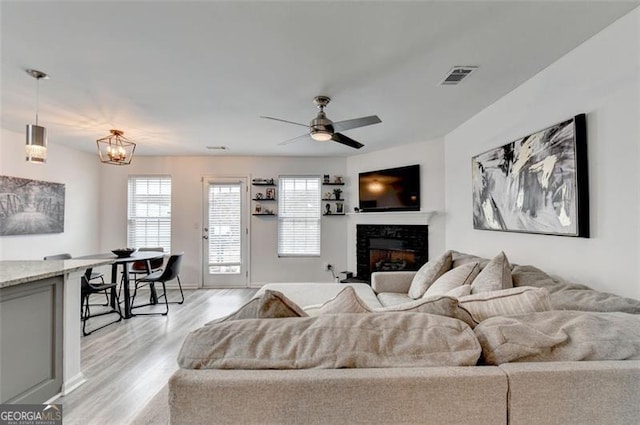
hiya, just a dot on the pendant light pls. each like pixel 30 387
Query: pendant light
pixel 36 145
pixel 115 149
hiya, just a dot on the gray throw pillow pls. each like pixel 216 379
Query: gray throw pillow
pixel 494 276
pixel 454 278
pixel 428 274
pixel 271 305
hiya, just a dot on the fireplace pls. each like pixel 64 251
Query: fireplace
pixel 390 248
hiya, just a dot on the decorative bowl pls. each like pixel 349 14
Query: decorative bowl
pixel 124 252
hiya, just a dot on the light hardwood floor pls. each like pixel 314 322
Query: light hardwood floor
pixel 127 363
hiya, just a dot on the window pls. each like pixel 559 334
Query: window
pixel 149 212
pixel 298 216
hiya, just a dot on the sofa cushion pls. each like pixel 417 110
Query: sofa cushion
pixel 392 298
pixel 454 278
pixel 506 302
pixel 572 296
pixel 271 305
pixel 428 274
pixel 347 301
pixel 332 341
pixel 553 336
pixel 494 276
pixel 313 293
pixel 460 259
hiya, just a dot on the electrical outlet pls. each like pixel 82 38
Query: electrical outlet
pixel 327 267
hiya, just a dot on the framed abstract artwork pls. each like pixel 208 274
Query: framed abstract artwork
pixel 29 207
pixel 536 184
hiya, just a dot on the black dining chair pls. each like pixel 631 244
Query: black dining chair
pixel 170 272
pixel 86 290
pixel 141 268
pixel 94 275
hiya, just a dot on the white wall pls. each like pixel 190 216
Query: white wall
pixel 187 214
pixel 599 78
pixel 430 156
pixel 79 172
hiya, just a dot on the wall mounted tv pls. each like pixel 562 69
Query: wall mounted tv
pixel 393 189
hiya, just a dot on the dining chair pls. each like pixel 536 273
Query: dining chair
pixel 94 275
pixel 140 268
pixel 86 290
pixel 170 272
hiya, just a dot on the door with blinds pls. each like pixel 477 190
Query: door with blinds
pixel 225 233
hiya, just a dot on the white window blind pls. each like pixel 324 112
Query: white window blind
pixel 299 216
pixel 225 227
pixel 149 212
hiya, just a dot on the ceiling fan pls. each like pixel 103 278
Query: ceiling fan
pixel 323 129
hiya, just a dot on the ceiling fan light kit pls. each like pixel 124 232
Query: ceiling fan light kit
pixel 36 140
pixel 322 129
pixel 115 149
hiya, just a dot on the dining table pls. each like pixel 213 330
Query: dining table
pixel 125 263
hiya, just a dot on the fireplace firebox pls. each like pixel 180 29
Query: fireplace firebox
pixel 390 248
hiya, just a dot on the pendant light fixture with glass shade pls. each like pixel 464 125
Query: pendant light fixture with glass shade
pixel 36 145
pixel 115 149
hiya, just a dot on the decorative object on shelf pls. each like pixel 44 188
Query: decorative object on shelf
pixel 258 209
pixel 325 178
pixel 356 209
pixel 536 184
pixel 123 252
pixel 115 149
pixel 339 208
pixel 259 195
pixel 30 207
pixel 327 195
pixel 271 193
pixel 327 209
pixel 268 211
pixel 270 181
pixel 36 145
pixel 337 179
pixel 337 192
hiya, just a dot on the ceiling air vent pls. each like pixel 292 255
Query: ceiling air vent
pixel 457 74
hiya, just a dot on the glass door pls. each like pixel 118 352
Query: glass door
pixel 225 233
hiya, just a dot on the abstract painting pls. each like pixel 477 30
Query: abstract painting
pixel 537 184
pixel 29 207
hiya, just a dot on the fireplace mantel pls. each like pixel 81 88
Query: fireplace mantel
pixel 423 217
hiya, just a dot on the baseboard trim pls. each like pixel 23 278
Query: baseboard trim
pixel 73 383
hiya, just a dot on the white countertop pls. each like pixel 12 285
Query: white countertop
pixel 18 272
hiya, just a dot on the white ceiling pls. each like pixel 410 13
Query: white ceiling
pixel 178 76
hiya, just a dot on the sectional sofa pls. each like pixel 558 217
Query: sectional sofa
pixel 571 356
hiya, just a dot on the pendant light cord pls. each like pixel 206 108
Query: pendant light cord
pixel 37 97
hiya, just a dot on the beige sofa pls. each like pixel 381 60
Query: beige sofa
pixel 584 392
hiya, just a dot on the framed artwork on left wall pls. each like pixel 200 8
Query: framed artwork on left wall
pixel 536 184
pixel 30 207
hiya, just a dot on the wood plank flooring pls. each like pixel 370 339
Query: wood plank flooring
pixel 127 363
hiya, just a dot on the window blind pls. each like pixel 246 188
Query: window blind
pixel 149 212
pixel 225 228
pixel 299 216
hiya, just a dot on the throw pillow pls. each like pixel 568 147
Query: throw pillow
pixel 460 291
pixel 494 276
pixel 441 305
pixel 560 336
pixel 459 276
pixel 506 302
pixel 428 274
pixel 332 341
pixel 347 301
pixel 271 305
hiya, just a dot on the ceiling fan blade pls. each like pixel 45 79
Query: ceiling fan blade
pixel 295 139
pixel 341 138
pixel 356 122
pixel 289 122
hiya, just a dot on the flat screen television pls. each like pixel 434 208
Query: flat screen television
pixel 393 189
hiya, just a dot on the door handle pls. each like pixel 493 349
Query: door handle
pixel 205 237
